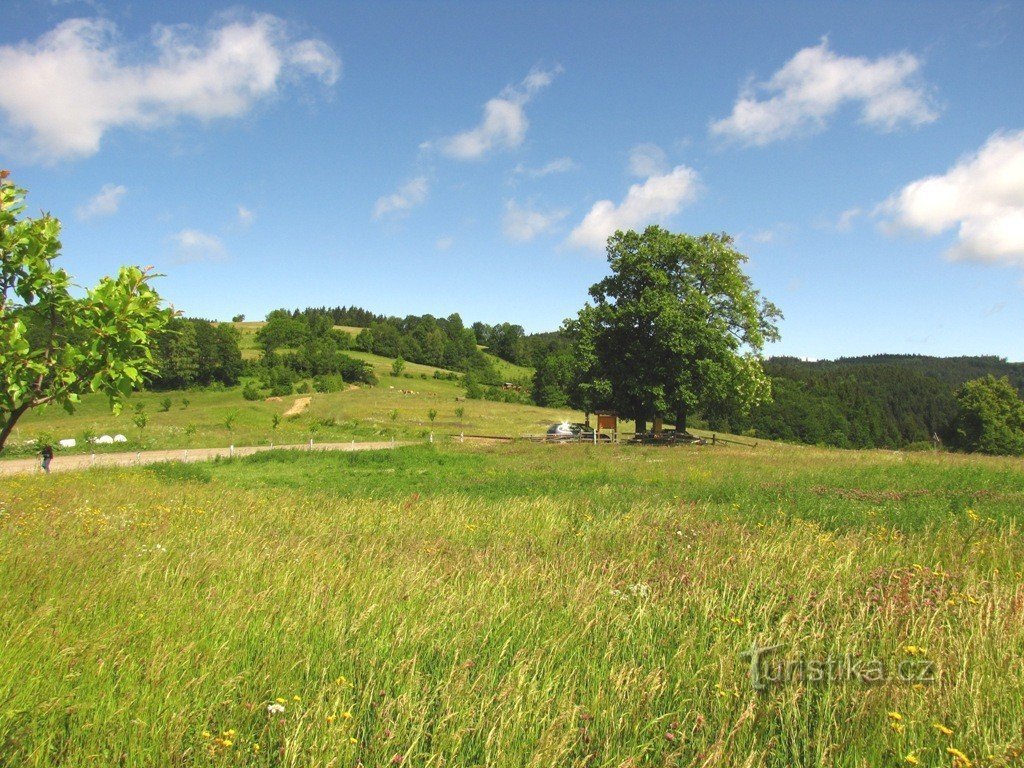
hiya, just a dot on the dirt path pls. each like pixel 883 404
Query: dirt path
pixel 298 406
pixel 84 461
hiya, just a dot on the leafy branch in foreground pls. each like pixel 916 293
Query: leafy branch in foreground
pixel 55 347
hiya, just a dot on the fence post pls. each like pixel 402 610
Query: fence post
pixel 431 437
pixel 714 439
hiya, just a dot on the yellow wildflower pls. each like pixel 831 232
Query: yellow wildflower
pixel 959 758
pixel 895 716
pixel 347 715
pixel 942 729
pixel 912 759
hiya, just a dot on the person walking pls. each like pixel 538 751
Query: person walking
pixel 47 454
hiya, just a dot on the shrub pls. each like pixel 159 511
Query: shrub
pixel 303 388
pixel 250 391
pixel 328 383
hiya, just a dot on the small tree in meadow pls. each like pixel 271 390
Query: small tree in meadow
pixel 140 419
pixel 185 402
pixel 165 404
pixel 229 421
pixel 275 421
pixel 432 414
pixel 397 367
pixel 459 413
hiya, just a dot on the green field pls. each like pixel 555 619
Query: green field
pixel 517 605
pixel 397 407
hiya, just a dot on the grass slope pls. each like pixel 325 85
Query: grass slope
pixel 515 606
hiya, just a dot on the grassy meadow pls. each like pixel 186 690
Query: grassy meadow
pixel 515 605
pixel 397 407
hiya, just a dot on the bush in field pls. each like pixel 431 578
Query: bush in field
pixel 333 383
pixel 398 366
pixel 251 392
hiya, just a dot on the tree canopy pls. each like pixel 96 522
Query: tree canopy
pixel 677 327
pixel 991 418
pixel 54 346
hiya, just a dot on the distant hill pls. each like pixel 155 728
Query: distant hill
pixel 953 371
pixel 876 401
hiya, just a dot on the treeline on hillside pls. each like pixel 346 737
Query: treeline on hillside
pixel 354 316
pixel 196 352
pixel 881 401
pixel 306 342
pixel 850 406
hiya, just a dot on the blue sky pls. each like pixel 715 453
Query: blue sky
pixel 471 157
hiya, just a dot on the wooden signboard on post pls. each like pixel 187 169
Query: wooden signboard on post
pixel 608 421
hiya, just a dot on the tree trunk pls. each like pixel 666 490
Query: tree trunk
pixel 641 424
pixel 8 424
pixel 681 418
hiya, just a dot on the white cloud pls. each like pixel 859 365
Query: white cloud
pixel 246 217
pixel 504 122
pixel 652 202
pixel 763 236
pixel 408 196
pixel 982 196
pixel 559 165
pixel 646 160
pixel 845 221
pixel 815 83
pixel 444 243
pixel 104 203
pixel 194 245
pixel 524 223
pixel 62 93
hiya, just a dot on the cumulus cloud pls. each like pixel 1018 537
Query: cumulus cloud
pixel 194 245
pixel 812 86
pixel 504 122
pixel 104 203
pixel 63 92
pixel 981 196
pixel 408 196
pixel 647 160
pixel 652 202
pixel 559 165
pixel 523 223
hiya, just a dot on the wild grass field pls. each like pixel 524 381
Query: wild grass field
pixel 516 605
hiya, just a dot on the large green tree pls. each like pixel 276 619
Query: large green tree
pixel 55 346
pixel 991 417
pixel 676 328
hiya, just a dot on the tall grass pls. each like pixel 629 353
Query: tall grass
pixel 524 606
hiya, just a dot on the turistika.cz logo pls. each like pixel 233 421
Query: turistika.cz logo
pixel 768 669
